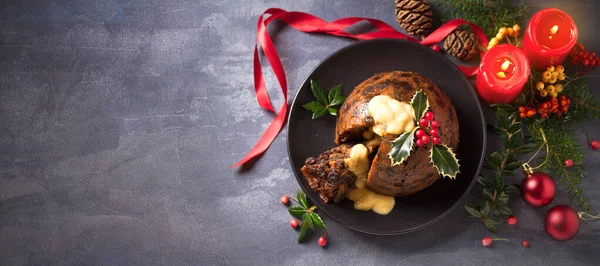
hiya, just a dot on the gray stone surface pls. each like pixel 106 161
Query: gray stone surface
pixel 119 121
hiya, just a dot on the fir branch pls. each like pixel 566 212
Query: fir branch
pixel 562 146
pixel 489 15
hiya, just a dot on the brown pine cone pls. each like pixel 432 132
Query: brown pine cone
pixel 414 16
pixel 462 44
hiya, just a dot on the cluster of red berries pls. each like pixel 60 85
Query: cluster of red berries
pixel 579 55
pixel 285 200
pixel 428 123
pixel 558 106
pixel 487 241
pixel 525 111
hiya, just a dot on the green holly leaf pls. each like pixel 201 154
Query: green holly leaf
pixel 297 211
pixel 420 104
pixel 472 211
pixel 332 111
pixel 444 160
pixel 335 96
pixel 319 113
pixel 490 225
pixel 318 92
pixel 317 108
pixel 402 146
pixel 316 220
pixel 306 223
pixel 301 197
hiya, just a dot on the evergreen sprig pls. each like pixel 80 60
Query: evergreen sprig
pixel 502 163
pixel 489 15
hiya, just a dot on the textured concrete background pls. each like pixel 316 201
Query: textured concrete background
pixel 119 121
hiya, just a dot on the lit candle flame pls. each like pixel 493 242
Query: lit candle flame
pixel 554 29
pixel 505 65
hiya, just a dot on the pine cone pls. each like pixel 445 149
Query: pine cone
pixel 462 44
pixel 414 16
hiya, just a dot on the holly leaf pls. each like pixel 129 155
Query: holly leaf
pixel 316 220
pixel 308 221
pixel 335 96
pixel 402 146
pixel 304 227
pixel 332 111
pixel 317 108
pixel 319 113
pixel 472 211
pixel 490 225
pixel 444 159
pixel 420 104
pixel 301 197
pixel 318 92
pixel 297 211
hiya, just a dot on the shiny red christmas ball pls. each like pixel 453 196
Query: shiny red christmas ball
pixel 538 189
pixel 561 222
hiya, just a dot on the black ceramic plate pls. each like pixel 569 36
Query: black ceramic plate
pixel 352 65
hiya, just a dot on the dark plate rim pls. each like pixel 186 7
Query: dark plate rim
pixel 483 151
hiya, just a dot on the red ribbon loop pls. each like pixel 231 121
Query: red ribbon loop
pixel 308 23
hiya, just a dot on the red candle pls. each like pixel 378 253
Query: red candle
pixel 503 71
pixel 549 37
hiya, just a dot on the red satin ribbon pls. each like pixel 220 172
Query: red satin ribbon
pixel 310 24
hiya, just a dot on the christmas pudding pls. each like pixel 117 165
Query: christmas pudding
pixel 391 129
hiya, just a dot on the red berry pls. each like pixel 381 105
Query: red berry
pixel 595 144
pixel 420 133
pixel 525 243
pixel 420 143
pixel 436 48
pixel 423 122
pixel 285 200
pixel 586 62
pixel 436 140
pixel 429 116
pixel 425 139
pixel 486 241
pixel 512 220
pixel 568 163
pixel 294 223
pixel 434 124
pixel 322 241
pixel 434 132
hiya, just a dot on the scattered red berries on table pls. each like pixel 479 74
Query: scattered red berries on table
pixel 595 144
pixel 486 241
pixel 285 200
pixel 512 220
pixel 525 243
pixel 568 163
pixel 322 241
pixel 294 223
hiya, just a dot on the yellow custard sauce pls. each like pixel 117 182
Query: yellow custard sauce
pixel 390 115
pixel 365 199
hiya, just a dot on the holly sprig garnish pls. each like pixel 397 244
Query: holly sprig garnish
pixel 309 218
pixel 325 103
pixel 442 156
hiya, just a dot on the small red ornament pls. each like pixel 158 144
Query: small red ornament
pixel 561 222
pixel 538 189
pixel 322 241
pixel 285 200
pixel 294 223
pixel 512 220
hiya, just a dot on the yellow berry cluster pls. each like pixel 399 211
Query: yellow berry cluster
pixel 504 32
pixel 548 86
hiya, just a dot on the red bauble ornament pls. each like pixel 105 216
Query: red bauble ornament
pixel 561 222
pixel 538 189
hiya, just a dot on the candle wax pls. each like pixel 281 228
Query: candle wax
pixel 544 32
